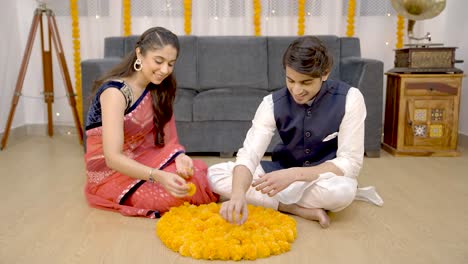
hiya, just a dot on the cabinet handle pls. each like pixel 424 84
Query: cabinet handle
pixel 409 111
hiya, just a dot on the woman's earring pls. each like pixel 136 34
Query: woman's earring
pixel 137 65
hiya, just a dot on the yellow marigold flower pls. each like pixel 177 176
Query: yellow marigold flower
pixel 184 250
pixel 274 248
pixel 192 189
pixel 250 251
pixel 201 233
pixel 263 250
pixel 236 252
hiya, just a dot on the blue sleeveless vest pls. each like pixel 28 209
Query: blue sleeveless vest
pixel 303 128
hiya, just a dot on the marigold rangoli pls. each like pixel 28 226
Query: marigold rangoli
pixel 200 232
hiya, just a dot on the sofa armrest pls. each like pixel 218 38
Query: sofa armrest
pixel 91 70
pixel 367 76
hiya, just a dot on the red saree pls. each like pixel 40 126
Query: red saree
pixel 109 189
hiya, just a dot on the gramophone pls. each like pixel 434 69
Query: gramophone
pixel 422 56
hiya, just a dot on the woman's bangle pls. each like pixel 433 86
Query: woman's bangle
pixel 150 177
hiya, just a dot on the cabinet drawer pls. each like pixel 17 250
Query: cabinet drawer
pixel 418 87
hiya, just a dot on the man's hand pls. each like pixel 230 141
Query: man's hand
pixel 235 210
pixel 274 182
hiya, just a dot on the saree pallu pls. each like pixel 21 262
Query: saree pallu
pixel 109 189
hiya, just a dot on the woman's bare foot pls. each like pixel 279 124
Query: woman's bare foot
pixel 314 214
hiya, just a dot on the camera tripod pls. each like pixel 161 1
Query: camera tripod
pixel 47 71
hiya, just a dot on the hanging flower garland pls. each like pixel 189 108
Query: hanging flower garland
pixel 400 34
pixel 350 20
pixel 76 56
pixel 300 17
pixel 256 19
pixel 127 17
pixel 200 232
pixel 188 16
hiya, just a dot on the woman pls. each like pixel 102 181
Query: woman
pixel 134 162
pixel 314 169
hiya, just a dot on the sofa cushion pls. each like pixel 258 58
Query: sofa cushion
pixel 276 48
pixel 183 104
pixel 350 47
pixel 185 69
pixel 113 47
pixel 227 104
pixel 334 47
pixel 232 61
pixel 129 44
pixel 278 45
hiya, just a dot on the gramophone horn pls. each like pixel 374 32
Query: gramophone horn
pixel 418 10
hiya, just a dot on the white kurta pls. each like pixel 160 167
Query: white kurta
pixel 329 191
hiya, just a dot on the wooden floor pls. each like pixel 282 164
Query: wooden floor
pixel 45 218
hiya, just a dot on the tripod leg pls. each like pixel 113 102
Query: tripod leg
pixel 65 74
pixel 21 75
pixel 48 77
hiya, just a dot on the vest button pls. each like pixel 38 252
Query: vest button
pixel 306 163
pixel 307 134
pixel 307 151
pixel 309 112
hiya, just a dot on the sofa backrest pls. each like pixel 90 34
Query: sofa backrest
pixel 211 62
pixel 232 62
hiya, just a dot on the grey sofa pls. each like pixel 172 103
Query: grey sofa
pixel 222 79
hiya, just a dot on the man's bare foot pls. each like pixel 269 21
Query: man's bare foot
pixel 314 214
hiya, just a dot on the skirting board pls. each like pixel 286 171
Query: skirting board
pixel 462 141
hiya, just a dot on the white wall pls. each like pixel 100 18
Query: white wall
pixel 11 50
pixel 450 29
pixel 377 41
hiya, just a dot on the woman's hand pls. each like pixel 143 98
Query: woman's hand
pixel 184 165
pixel 174 184
pixel 235 210
pixel 274 182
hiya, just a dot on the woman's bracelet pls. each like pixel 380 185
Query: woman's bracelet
pixel 150 177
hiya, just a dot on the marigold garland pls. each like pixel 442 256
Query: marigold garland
pixel 350 20
pixel 400 34
pixel 200 232
pixel 188 16
pixel 76 56
pixel 127 17
pixel 256 18
pixel 300 17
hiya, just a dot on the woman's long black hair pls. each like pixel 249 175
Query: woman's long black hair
pixel 163 93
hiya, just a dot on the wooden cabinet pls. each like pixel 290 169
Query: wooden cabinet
pixel 421 114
